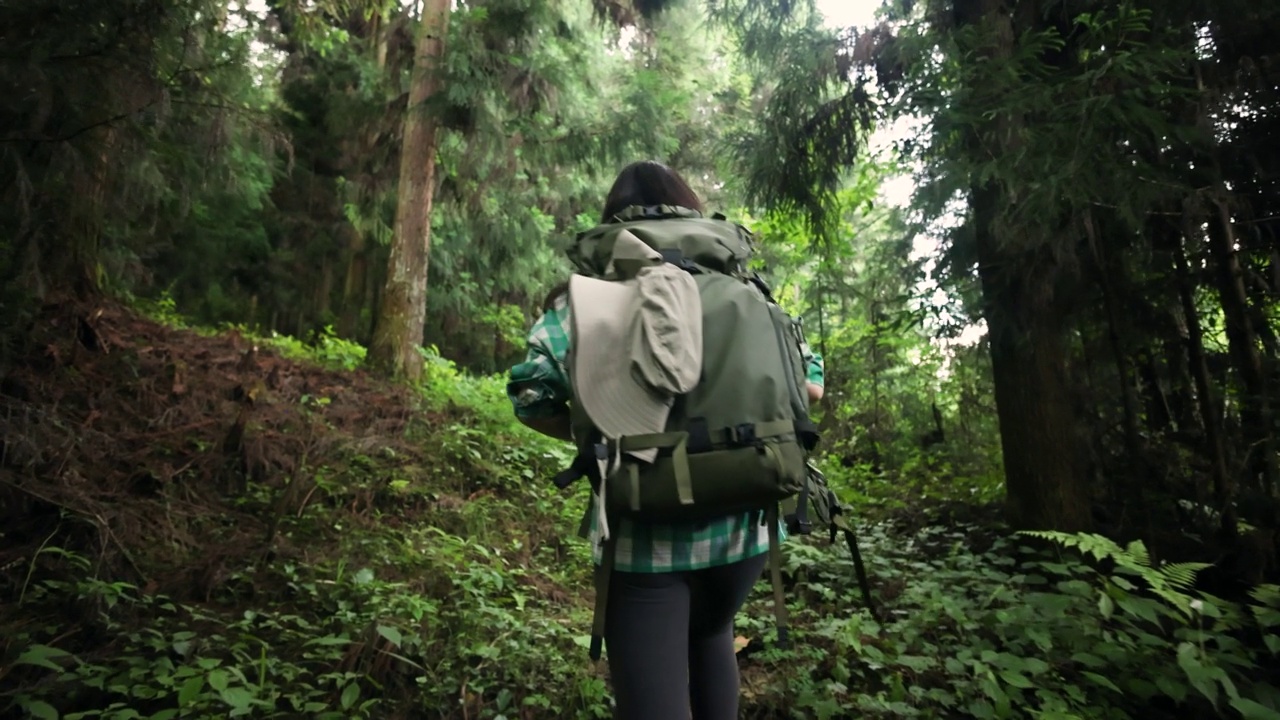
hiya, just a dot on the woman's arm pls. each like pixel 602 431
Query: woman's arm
pixel 539 387
pixel 815 392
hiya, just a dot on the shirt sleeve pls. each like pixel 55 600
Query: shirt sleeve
pixel 815 369
pixel 539 386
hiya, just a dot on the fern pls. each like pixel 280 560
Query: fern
pixel 1169 581
pixel 1182 575
pixel 1089 543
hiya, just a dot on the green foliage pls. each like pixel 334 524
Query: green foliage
pixel 145 121
pixel 1113 77
pixel 200 664
pixel 1209 633
pixel 162 309
pixel 872 313
pixel 346 646
pixel 461 592
pixel 585 101
pixel 325 349
pixel 1006 632
pixel 809 124
pixel 1169 581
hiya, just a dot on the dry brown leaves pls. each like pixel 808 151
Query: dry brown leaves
pixel 131 439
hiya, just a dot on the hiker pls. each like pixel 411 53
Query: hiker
pixel 673 588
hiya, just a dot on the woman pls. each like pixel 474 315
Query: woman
pixel 675 589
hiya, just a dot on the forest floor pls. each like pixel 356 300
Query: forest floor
pixel 202 525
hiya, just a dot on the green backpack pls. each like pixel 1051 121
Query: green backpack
pixel 739 440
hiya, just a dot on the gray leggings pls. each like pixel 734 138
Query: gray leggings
pixel 670 641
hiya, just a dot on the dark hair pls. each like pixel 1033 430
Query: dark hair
pixel 554 294
pixel 646 183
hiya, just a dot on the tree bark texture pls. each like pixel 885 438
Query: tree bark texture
pixel 1045 488
pixel 402 314
pixel 1045 484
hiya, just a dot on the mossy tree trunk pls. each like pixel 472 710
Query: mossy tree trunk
pixel 402 313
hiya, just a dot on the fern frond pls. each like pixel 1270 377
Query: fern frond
pixel 1182 575
pixel 1138 551
pixel 1098 546
pixel 1169 582
pixel 1266 595
pixel 1174 598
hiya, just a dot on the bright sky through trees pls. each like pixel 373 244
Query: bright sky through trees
pixel 862 13
pixel 846 13
pixel 898 190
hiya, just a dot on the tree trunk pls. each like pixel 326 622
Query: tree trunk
pixel 323 300
pixel 1156 403
pixel 1242 340
pixel 1129 398
pixel 1045 488
pixel 402 314
pixel 353 285
pixel 353 317
pixel 1223 489
pixel 87 213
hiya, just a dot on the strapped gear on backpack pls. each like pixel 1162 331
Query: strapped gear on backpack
pixel 707 361
pixel 828 512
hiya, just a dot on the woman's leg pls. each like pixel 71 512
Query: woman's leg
pixel 647 644
pixel 716 596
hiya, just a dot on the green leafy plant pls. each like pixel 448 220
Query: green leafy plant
pixel 1169 581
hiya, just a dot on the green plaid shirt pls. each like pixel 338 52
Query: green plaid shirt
pixel 539 387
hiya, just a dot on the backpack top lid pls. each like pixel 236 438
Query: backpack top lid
pixel 683 236
pixel 645 342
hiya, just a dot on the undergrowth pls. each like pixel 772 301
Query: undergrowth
pixel 383 583
pixel 982 625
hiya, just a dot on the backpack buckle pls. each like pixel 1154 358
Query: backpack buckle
pixel 744 434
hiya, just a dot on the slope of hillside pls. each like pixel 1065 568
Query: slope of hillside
pixel 195 520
